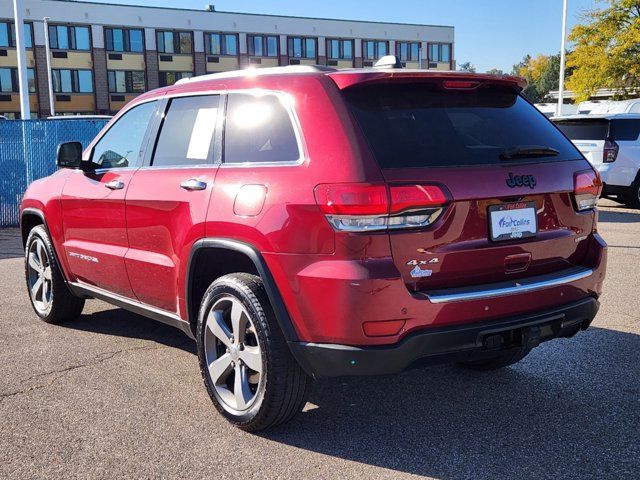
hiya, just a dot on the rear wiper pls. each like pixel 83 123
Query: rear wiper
pixel 524 151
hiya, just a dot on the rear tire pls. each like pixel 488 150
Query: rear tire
pixel 247 367
pixel 632 199
pixel 501 360
pixel 50 297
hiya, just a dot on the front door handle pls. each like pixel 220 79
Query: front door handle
pixel 114 185
pixel 193 184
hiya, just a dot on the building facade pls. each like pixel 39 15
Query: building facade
pixel 104 55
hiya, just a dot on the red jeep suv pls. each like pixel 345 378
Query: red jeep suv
pixel 301 222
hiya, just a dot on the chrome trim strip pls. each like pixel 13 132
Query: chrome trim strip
pixel 514 287
pixel 154 313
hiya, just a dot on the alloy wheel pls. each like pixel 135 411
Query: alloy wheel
pixel 233 355
pixel 40 281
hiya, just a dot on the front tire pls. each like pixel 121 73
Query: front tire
pixel 632 199
pixel 247 368
pixel 50 297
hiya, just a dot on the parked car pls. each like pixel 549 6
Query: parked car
pixel 551 109
pixel 611 143
pixel 80 117
pixel 616 107
pixel 303 222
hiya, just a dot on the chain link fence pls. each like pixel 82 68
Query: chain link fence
pixel 28 152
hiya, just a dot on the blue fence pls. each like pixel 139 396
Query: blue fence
pixel 28 152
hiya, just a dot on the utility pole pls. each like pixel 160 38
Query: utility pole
pixel 562 58
pixel 47 49
pixel 23 81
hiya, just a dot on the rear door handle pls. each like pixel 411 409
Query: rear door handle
pixel 114 185
pixel 193 184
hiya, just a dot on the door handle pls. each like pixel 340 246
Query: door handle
pixel 114 185
pixel 193 184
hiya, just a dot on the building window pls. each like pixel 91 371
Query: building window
pixel 72 81
pixel 9 80
pixel 222 44
pixel 126 81
pixel 408 51
pixel 63 37
pixel 440 52
pixel 374 49
pixel 8 35
pixel 174 42
pixel 123 40
pixel 299 47
pixel 339 49
pixel 262 45
pixel 169 78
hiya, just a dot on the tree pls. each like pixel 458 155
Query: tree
pixel 495 71
pixel 607 51
pixel 467 67
pixel 542 74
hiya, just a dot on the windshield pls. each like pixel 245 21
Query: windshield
pixel 423 125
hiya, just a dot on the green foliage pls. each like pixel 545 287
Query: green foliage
pixel 607 50
pixel 542 74
pixel 495 71
pixel 467 67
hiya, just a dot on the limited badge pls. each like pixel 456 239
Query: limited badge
pixel 417 272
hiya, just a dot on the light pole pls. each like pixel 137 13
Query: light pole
pixel 47 49
pixel 562 58
pixel 25 110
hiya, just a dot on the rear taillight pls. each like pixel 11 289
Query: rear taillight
pixel 360 207
pixel 610 152
pixel 587 189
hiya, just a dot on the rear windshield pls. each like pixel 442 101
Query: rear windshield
pixel 421 125
pixel 600 129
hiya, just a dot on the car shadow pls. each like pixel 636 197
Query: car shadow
pixel 122 323
pixel 622 216
pixel 570 409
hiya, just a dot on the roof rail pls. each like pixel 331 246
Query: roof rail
pixel 257 71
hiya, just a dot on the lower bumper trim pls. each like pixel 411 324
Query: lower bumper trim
pixel 443 345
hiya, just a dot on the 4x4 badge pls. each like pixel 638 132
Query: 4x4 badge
pixel 521 181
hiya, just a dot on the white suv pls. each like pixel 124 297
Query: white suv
pixel 612 144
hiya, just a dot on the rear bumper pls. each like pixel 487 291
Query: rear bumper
pixel 448 344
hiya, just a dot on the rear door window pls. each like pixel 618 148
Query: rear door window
pixel 421 125
pixel 187 132
pixel 259 129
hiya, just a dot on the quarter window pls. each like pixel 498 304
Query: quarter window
pixel 187 133
pixel 258 129
pixel 122 146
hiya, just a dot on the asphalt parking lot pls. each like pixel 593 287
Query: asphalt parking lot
pixel 115 395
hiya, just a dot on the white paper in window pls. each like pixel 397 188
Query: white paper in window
pixel 202 134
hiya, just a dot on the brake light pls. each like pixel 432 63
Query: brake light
pixel 358 207
pixel 587 189
pixel 459 84
pixel 610 152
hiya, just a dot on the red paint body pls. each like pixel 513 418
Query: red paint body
pixel 331 282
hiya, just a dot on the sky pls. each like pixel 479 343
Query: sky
pixel 488 33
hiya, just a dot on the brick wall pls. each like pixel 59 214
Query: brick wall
pixel 200 63
pixel 42 83
pixel 151 61
pixel 100 80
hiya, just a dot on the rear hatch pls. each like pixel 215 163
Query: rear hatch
pixel 588 134
pixel 499 161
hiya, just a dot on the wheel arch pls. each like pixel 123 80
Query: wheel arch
pixel 238 257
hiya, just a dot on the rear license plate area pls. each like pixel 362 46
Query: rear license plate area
pixel 512 221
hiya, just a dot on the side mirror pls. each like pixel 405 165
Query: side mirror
pixel 69 155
